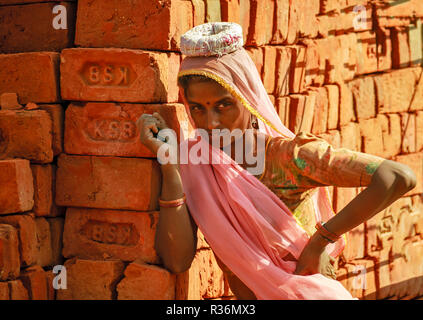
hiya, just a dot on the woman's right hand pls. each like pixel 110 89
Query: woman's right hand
pixel 147 124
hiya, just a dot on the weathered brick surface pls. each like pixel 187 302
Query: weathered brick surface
pixel 111 129
pixel 35 27
pixel 9 253
pixel 91 280
pixel 203 280
pixel 146 282
pixel 17 189
pixel 45 252
pixel 44 188
pixel 57 115
pixel 107 182
pixel 26 134
pixel 4 291
pixel 56 232
pixel 35 281
pixel 34 76
pixel 118 75
pixel 117 23
pixel 394 90
pixel 110 234
pixel 26 226
pixel 17 290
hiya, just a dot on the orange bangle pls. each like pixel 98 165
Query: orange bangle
pixel 172 203
pixel 326 233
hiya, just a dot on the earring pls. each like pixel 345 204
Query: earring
pixel 254 122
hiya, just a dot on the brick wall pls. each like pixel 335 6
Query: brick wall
pixel 78 189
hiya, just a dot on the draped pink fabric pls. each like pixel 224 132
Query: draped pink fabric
pixel 248 227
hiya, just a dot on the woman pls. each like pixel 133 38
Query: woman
pixel 261 228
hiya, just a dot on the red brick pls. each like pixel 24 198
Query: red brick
pixel 415 42
pixel 293 21
pixel 57 115
pixel 199 12
pixel 212 10
pixel 114 74
pixel 256 54
pixel 419 131
pixel 30 28
pixel 408 129
pixel 394 90
pixel 111 129
pixel 315 62
pixel 333 105
pixel 9 101
pixel 301 112
pixel 17 290
pixel 415 162
pixel 417 99
pixel 44 182
pixel 17 191
pixel 400 48
pixel 281 21
pixel 391 133
pixel 320 111
pixel 35 281
pixel 364 97
pixel 118 24
pixel 107 182
pixel 146 282
pixel 4 291
pixel 283 70
pixel 25 224
pixel 371 135
pixel 269 68
pixel 26 134
pixel 229 10
pixel 350 136
pixel 91 280
pixel 51 292
pixel 109 234
pixel 10 2
pixel 399 14
pixel 56 231
pixel 307 19
pixel 205 279
pixel 261 22
pixel 298 68
pixel 244 17
pixel 407 271
pixel 9 253
pixel 361 280
pixel 45 252
pixel 366 52
pixel 34 76
pixel 384 49
pixel 282 107
pixel 346 106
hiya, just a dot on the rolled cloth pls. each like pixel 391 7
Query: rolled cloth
pixel 247 226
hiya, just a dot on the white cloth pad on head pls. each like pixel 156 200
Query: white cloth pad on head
pixel 212 39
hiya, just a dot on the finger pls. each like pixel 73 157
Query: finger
pixel 162 122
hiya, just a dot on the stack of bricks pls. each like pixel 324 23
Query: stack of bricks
pixel 348 71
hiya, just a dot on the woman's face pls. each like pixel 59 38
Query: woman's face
pixel 213 107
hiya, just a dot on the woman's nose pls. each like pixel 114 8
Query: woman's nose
pixel 212 121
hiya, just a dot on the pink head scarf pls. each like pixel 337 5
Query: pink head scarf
pixel 247 226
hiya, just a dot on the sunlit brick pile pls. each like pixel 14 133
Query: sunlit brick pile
pixel 77 188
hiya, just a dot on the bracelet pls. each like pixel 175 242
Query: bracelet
pixel 324 232
pixel 172 203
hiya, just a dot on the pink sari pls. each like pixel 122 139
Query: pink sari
pixel 247 226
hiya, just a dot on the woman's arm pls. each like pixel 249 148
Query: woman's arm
pixel 176 233
pixel 389 182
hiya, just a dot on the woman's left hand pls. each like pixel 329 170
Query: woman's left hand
pixel 314 258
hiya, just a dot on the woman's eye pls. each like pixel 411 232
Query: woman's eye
pixel 226 104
